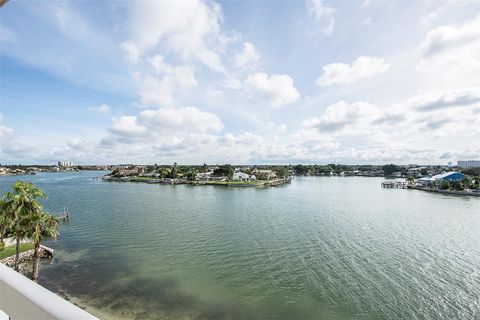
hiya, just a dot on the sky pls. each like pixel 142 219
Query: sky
pixel 193 82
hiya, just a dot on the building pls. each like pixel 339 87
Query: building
pixel 241 176
pixel 65 163
pixel 449 176
pixel 468 163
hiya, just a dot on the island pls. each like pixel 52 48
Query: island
pixel 218 175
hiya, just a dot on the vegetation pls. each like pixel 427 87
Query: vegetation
pixel 23 216
pixel 224 170
pixel 473 172
pixel 9 251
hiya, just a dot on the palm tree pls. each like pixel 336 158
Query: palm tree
pixel 5 220
pixel 23 207
pixel 46 226
pixel 410 180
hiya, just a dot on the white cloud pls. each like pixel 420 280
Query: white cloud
pixel 322 13
pixel 342 115
pixel 103 108
pixel 127 126
pixel 450 99
pixel 278 89
pixel 152 126
pixel 248 58
pixel 184 76
pixel 341 73
pixel 452 38
pixel 188 29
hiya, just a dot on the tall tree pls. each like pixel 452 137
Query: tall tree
pixel 5 220
pixel 46 226
pixel 23 206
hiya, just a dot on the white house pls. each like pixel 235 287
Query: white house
pixel 241 176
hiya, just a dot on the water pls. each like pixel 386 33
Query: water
pixel 318 248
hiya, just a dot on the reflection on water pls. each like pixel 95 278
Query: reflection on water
pixel 319 248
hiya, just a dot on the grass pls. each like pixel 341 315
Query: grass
pixel 10 250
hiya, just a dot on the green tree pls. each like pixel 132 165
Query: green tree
pixel 410 180
pixel 388 169
pixel 23 206
pixel 45 226
pixel 192 174
pixel 281 172
pixel 6 219
pixel 224 170
pixel 173 171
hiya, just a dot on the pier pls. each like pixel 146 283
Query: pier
pixel 65 216
pixel 394 184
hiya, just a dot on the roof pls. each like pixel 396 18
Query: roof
pixel 452 175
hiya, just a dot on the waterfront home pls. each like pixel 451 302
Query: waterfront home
pixel 447 176
pixel 203 176
pixel 241 176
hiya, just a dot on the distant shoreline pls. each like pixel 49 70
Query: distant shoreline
pixel 233 184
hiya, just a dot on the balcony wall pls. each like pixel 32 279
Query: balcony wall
pixel 21 298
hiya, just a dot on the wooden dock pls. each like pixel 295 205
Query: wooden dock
pixel 394 184
pixel 65 216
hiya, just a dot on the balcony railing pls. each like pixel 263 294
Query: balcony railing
pixel 21 298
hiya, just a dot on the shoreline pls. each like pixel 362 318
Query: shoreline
pixel 228 184
pixel 450 192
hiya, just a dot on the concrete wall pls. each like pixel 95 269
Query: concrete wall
pixel 21 298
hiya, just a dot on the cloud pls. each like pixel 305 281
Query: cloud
pixel 451 38
pixel 341 115
pixel 449 99
pixel 161 125
pixel 322 14
pixel 279 90
pixel 190 30
pixel 103 108
pixel 341 73
pixel 248 57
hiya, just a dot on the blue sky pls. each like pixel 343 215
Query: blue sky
pixel 240 82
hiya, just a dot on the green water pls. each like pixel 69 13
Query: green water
pixel 318 248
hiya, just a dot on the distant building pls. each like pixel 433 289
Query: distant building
pixel 450 164
pixel 449 176
pixel 241 176
pixel 468 163
pixel 65 163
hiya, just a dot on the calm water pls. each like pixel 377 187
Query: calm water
pixel 319 248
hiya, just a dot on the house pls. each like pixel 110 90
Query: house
pixel 203 176
pixel 241 176
pixel 449 176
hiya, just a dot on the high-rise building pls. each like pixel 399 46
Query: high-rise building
pixel 468 163
pixel 65 163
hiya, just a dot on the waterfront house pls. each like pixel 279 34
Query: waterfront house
pixel 449 176
pixel 241 176
pixel 203 176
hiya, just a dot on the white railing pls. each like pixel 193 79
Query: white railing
pixel 21 298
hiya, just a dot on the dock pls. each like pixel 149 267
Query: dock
pixel 65 216
pixel 394 184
